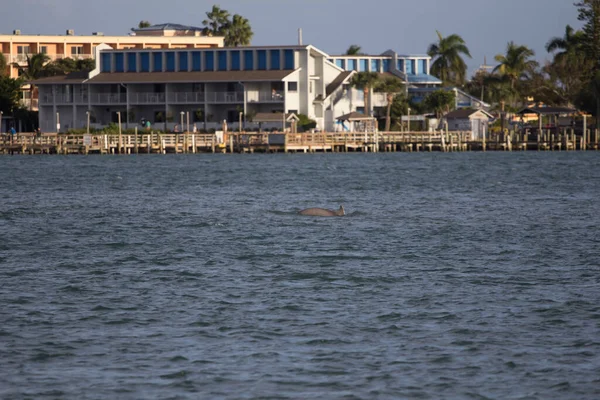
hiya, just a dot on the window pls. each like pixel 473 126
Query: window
pixel 44 49
pixel 119 62
pixel 209 61
pixel 183 61
pixel 292 86
pixel 105 64
pixel 170 56
pixel 248 60
pixel 351 65
pixel 375 65
pixel 144 62
pixel 289 61
pixel 341 63
pixel 410 67
pixel 423 67
pixel 235 60
pixel 262 59
pixel 196 61
pixel 76 50
pixel 23 50
pixel 386 65
pixel 157 59
pixel 222 60
pixel 311 87
pixel 362 66
pixel 400 65
pixel 275 59
pixel 131 62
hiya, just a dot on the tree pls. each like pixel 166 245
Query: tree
pixel 34 70
pixel 448 64
pixel 3 65
pixel 570 43
pixel 515 66
pixel 10 90
pixel 399 108
pixel 144 24
pixel 67 65
pixel 589 14
pixel 353 50
pixel 440 101
pixel 216 20
pixel 391 86
pixel 237 32
pixel 365 81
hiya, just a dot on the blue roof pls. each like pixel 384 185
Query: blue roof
pixel 422 78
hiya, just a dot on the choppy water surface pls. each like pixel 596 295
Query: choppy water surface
pixel 185 277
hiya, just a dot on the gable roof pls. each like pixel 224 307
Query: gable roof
pixel 547 110
pixel 354 116
pixel 463 113
pixel 337 82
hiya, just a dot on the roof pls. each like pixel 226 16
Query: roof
pixel 337 82
pixel 273 117
pixel 168 27
pixel 547 110
pixel 73 77
pixel 354 116
pixel 463 113
pixel 165 77
pixel 419 78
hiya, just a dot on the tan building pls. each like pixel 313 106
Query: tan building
pixel 18 46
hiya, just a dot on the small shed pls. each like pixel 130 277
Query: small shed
pixel 276 118
pixel 469 119
pixel 549 117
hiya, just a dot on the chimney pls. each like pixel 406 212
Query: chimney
pixel 300 36
pixel 70 32
pixel 17 32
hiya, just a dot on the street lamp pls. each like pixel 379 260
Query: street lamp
pixel 57 122
pixel 409 119
pixel 87 113
pixel 187 121
pixel 1 120
pixel 182 114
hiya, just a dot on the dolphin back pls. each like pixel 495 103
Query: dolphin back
pixel 323 212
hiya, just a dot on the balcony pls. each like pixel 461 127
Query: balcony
pixel 265 97
pixel 146 98
pixel 22 58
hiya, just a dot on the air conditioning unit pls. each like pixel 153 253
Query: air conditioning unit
pixel 98 33
pixel 70 32
pixel 17 32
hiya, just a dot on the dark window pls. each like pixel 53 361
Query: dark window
pixel 289 59
pixel 275 59
pixel 183 61
pixel 106 62
pixel 131 62
pixel 248 60
pixel 262 59
pixel 209 61
pixel 170 61
pixel 292 86
pixel 222 61
pixel 119 62
pixel 196 61
pixel 235 60
pixel 144 62
pixel 157 58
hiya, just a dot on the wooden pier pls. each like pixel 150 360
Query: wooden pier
pixel 250 142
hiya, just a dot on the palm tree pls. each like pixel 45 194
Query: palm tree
pixel 238 32
pixel 391 86
pixel 34 70
pixel 365 81
pixel 448 64
pixel 216 20
pixel 570 43
pixel 353 50
pixel 516 63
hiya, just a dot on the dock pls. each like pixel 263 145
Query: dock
pixel 274 142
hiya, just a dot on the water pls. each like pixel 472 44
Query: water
pixel 472 276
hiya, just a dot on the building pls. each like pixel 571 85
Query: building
pixel 468 119
pixel 18 46
pixel 212 85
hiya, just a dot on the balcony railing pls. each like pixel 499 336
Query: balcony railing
pixel 22 58
pixel 161 98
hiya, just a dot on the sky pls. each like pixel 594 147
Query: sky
pixel 405 26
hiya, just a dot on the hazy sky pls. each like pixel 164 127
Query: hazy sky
pixel 406 26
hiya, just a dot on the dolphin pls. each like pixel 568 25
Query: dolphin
pixel 323 212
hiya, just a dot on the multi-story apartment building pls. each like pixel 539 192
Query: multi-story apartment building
pixel 18 46
pixel 212 85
